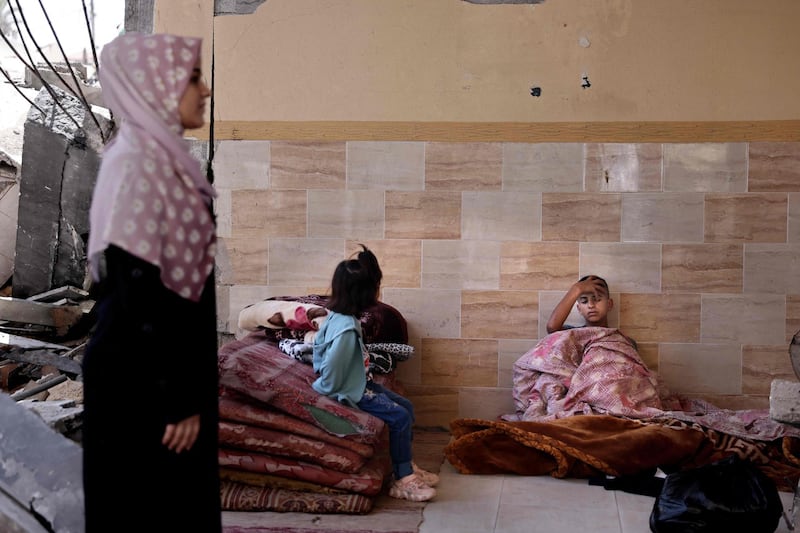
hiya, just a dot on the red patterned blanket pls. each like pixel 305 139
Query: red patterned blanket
pixel 256 367
pixel 237 407
pixel 368 480
pixel 291 445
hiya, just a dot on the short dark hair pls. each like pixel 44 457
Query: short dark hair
pixel 604 282
pixel 355 284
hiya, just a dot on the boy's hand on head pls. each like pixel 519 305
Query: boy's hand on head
pixel 592 285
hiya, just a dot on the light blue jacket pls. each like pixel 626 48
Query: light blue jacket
pixel 339 359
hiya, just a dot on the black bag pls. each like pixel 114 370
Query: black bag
pixel 729 495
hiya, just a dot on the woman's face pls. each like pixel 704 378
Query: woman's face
pixel 192 107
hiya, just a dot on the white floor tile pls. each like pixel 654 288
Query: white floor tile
pixel 459 487
pixel 548 491
pixel 442 516
pixel 532 504
pixel 786 499
pixel 634 502
pixel 547 518
pixel 635 520
pixel 464 503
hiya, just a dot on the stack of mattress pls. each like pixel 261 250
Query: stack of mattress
pixel 284 447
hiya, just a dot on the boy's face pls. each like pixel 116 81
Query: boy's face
pixel 594 308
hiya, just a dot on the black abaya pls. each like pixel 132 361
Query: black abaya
pixel 152 360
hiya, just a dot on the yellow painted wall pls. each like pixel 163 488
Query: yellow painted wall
pixel 450 60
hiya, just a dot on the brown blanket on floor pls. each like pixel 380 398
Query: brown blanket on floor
pixel 578 446
pixel 583 446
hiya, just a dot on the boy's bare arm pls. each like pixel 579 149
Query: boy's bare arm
pixel 562 310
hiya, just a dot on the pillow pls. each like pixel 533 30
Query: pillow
pixel 277 314
pixel 379 323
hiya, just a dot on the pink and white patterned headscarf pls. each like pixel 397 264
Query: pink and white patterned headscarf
pixel 151 197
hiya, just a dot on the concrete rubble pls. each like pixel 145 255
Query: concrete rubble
pixel 40 474
pixel 41 410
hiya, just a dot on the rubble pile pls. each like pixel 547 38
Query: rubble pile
pixel 42 341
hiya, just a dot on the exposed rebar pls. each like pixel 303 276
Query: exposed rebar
pixel 91 34
pixel 79 94
pixel 33 68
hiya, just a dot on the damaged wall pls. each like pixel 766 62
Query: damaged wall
pixel 59 167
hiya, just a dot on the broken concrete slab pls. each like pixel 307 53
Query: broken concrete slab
pixel 18 341
pixel 64 416
pixel 40 468
pixel 784 401
pixel 60 160
pixel 15 519
pixel 59 317
pixel 62 78
pixel 52 296
pixel 44 357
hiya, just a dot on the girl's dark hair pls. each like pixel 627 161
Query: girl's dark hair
pixel 355 284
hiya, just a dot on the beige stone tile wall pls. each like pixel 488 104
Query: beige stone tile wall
pixel 478 241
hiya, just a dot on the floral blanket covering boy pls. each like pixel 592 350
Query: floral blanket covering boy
pixel 594 370
pixel 587 370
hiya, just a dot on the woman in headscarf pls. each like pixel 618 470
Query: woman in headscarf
pixel 150 433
